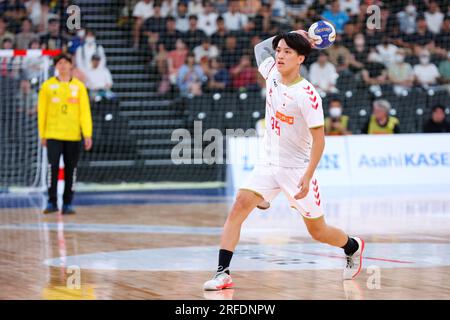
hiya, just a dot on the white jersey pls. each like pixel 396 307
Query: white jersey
pixel 290 113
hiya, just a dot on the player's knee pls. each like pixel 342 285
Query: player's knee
pixel 241 207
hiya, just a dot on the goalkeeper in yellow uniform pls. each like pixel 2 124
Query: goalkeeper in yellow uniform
pixel 64 116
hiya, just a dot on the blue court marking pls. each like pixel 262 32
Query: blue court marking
pixel 114 228
pixel 136 197
pixel 310 256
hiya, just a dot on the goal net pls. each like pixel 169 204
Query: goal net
pixel 21 74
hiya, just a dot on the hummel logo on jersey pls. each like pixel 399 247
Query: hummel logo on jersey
pixel 275 83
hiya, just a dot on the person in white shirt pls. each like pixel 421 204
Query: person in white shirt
pixel 142 11
pixel 434 17
pixel 351 7
pixel 234 19
pixel 322 74
pixel 207 19
pixel 294 141
pixel 426 73
pixel 386 51
pixel 206 49
pixel 195 7
pixel 182 17
pixel 84 53
pixel 99 81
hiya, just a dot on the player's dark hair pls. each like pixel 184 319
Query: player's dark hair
pixel 62 56
pixel 438 106
pixel 294 41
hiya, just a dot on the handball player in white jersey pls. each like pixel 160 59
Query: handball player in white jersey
pixel 294 142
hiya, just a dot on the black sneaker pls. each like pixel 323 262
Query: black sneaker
pixel 51 208
pixel 68 209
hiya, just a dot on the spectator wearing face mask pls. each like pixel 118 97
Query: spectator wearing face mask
pixel 426 73
pixel 400 73
pixel 380 122
pixel 437 122
pixel 407 19
pixel 336 124
pixel 85 52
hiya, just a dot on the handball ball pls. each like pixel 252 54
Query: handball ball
pixel 322 33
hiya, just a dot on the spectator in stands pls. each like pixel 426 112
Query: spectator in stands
pixel 156 23
pixel 161 61
pixel 182 17
pixel 176 59
pixel 231 54
pixel 9 67
pixel 99 81
pixel 24 38
pixel 84 53
pixel 400 73
pixel 279 11
pixel 426 73
pixel 154 26
pixel 195 7
pixel 234 19
pixel 250 7
pixel 53 39
pixel 33 68
pixel 193 36
pixel 206 49
pixel 14 11
pixel 191 78
pixel 359 50
pixel 243 75
pixel 221 6
pixel 323 75
pixel 170 34
pixel 444 71
pixel 348 36
pixel 351 7
pixel 442 40
pixel 76 41
pixel 434 17
pixel 407 18
pixel 142 11
pixel 421 39
pixel 380 122
pixel 336 124
pixel 373 37
pixel 374 73
pixel 40 13
pixel 246 34
pixel 4 33
pixel 218 38
pixel 263 20
pixel 218 76
pixel 207 19
pixel 340 56
pixel 386 51
pixel 437 123
pixel 336 16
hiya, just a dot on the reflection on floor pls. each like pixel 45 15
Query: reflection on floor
pixel 163 245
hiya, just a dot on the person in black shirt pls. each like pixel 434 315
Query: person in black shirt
pixel 53 39
pixel 170 34
pixel 231 54
pixel 420 39
pixel 193 37
pixel 437 122
pixel 156 23
pixel 218 38
pixel 442 39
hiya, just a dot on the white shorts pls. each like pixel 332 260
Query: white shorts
pixel 268 181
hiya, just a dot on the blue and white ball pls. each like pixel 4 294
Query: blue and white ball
pixel 322 33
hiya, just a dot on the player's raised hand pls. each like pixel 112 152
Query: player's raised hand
pixel 304 188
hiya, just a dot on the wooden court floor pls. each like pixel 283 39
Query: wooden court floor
pixel 167 251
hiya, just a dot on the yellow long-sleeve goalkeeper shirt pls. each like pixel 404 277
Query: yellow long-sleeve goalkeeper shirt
pixel 64 112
